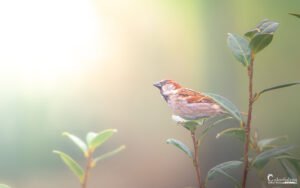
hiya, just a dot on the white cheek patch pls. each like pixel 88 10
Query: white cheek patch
pixel 169 92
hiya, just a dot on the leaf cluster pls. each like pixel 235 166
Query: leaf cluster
pixel 205 124
pixel 244 49
pixel 93 141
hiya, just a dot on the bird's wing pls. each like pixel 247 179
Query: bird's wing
pixel 193 96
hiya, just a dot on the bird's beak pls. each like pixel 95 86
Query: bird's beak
pixel 157 84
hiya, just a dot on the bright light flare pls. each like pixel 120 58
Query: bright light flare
pixel 44 42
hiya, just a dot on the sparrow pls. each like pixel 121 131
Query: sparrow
pixel 187 103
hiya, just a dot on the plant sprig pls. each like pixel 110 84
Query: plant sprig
pixel 93 141
pixel 206 124
pixel 245 51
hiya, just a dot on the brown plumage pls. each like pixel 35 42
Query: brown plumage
pixel 187 103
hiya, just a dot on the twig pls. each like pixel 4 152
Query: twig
pixel 87 170
pixel 248 125
pixel 196 159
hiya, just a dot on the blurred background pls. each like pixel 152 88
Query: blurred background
pixel 88 65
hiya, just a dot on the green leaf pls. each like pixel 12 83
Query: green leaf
pixel 264 27
pixel 210 126
pixel 239 133
pixel 259 42
pixel 267 27
pixel 294 14
pixel 78 142
pixel 90 136
pixel 289 158
pixel 108 154
pixel 227 105
pixel 72 164
pixel 181 146
pixel 191 125
pixel 4 186
pixel 240 48
pixel 265 143
pixel 294 161
pixel 250 34
pixel 262 35
pixel 257 95
pixel 263 158
pixel 289 171
pixel 235 182
pixel 221 120
pixel 95 140
pixel 220 168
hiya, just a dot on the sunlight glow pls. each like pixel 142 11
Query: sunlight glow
pixel 44 42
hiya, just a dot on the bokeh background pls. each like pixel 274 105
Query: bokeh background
pixel 88 65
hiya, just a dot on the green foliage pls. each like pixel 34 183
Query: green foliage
pixel 293 161
pixel 93 141
pixel 108 154
pixel 190 125
pixel 72 164
pixel 262 159
pixel 238 133
pixel 227 105
pixel 269 142
pixel 244 50
pixel 268 150
pixel 181 146
pixel 264 27
pixel 258 38
pixel 213 172
pixel 262 35
pixel 210 126
pixel 239 48
pixel 82 146
pixel 4 186
pixel 221 169
pixel 90 136
pixel 260 41
pixel 289 171
pixel 205 124
pixel 294 14
pixel 257 95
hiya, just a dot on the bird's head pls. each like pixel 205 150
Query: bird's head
pixel 167 87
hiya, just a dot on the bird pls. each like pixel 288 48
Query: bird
pixel 186 103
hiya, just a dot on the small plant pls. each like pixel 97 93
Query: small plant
pixel 245 51
pixel 93 141
pixel 4 186
pixel 198 130
pixel 257 152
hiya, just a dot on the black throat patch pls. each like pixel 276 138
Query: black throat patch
pixel 166 97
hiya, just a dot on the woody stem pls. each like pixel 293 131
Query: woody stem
pixel 87 169
pixel 196 158
pixel 248 125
